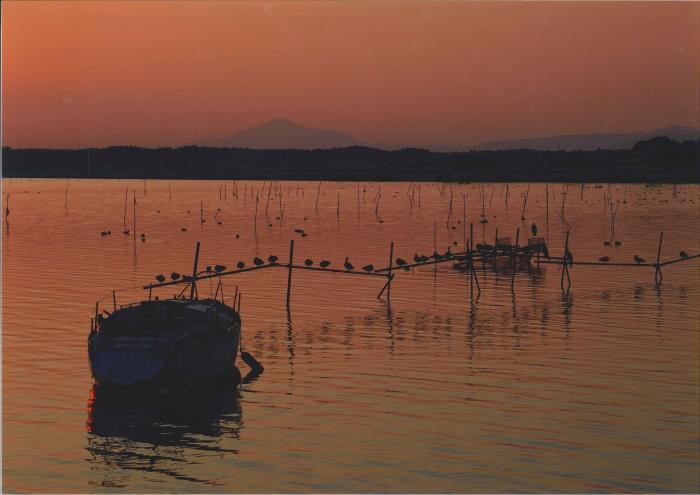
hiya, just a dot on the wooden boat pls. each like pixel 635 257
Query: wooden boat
pixel 157 342
pixel 180 341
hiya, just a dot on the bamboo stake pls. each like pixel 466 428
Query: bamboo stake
pixel 289 276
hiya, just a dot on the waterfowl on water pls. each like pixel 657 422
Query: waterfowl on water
pixel 324 263
pixel 257 261
pixel 604 259
pixel 347 264
pixel 308 262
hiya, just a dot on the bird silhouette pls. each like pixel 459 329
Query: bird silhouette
pixel 604 259
pixel 299 231
pixel 683 254
pixel 618 243
pixel 184 229
pixel 125 232
pixel 347 264
pixel 240 265
pixel 448 254
pixel 324 263
pixel 160 278
pixel 308 262
pixel 400 262
pixel 257 261
pixel 533 227
pixel 187 278
pixel 219 268
pixel 368 268
pixel 606 243
pixel 638 258
pixel 416 258
pixel 436 256
pixel 272 258
pixel 175 276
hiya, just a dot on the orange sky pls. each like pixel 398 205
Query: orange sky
pixel 170 73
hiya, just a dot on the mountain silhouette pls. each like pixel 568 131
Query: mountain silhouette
pixel 586 142
pixel 283 134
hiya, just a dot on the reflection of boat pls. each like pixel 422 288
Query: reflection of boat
pixel 164 341
pixel 160 433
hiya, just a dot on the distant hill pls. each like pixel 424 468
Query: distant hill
pixel 280 134
pixel 584 142
pixel 656 160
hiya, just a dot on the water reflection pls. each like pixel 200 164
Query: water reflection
pixel 159 433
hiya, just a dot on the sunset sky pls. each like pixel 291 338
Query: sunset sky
pixel 170 73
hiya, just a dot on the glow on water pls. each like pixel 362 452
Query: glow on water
pixel 524 390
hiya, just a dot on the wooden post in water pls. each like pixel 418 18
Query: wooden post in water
pixel 289 276
pixel 658 277
pixel 7 206
pixel 193 288
pixel 565 261
pixel 318 193
pixel 114 300
pixel 134 216
pixel 514 257
pixel 389 276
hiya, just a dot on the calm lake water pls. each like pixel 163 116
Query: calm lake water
pixel 529 390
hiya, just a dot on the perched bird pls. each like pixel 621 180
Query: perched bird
pixel 368 268
pixel 448 253
pixel 219 268
pixel 568 257
pixel 160 278
pixel 324 263
pixel 187 278
pixel 257 261
pixel 638 258
pixel 126 232
pixel 618 243
pixel 606 243
pixel 683 254
pixel 436 256
pixel 347 264
pixel 272 258
pixel 175 276
pixel 309 262
pixel 604 259
pixel 400 262
pixel 416 258
pixel 240 265
pixel 103 233
pixel 533 227
pixel 483 220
